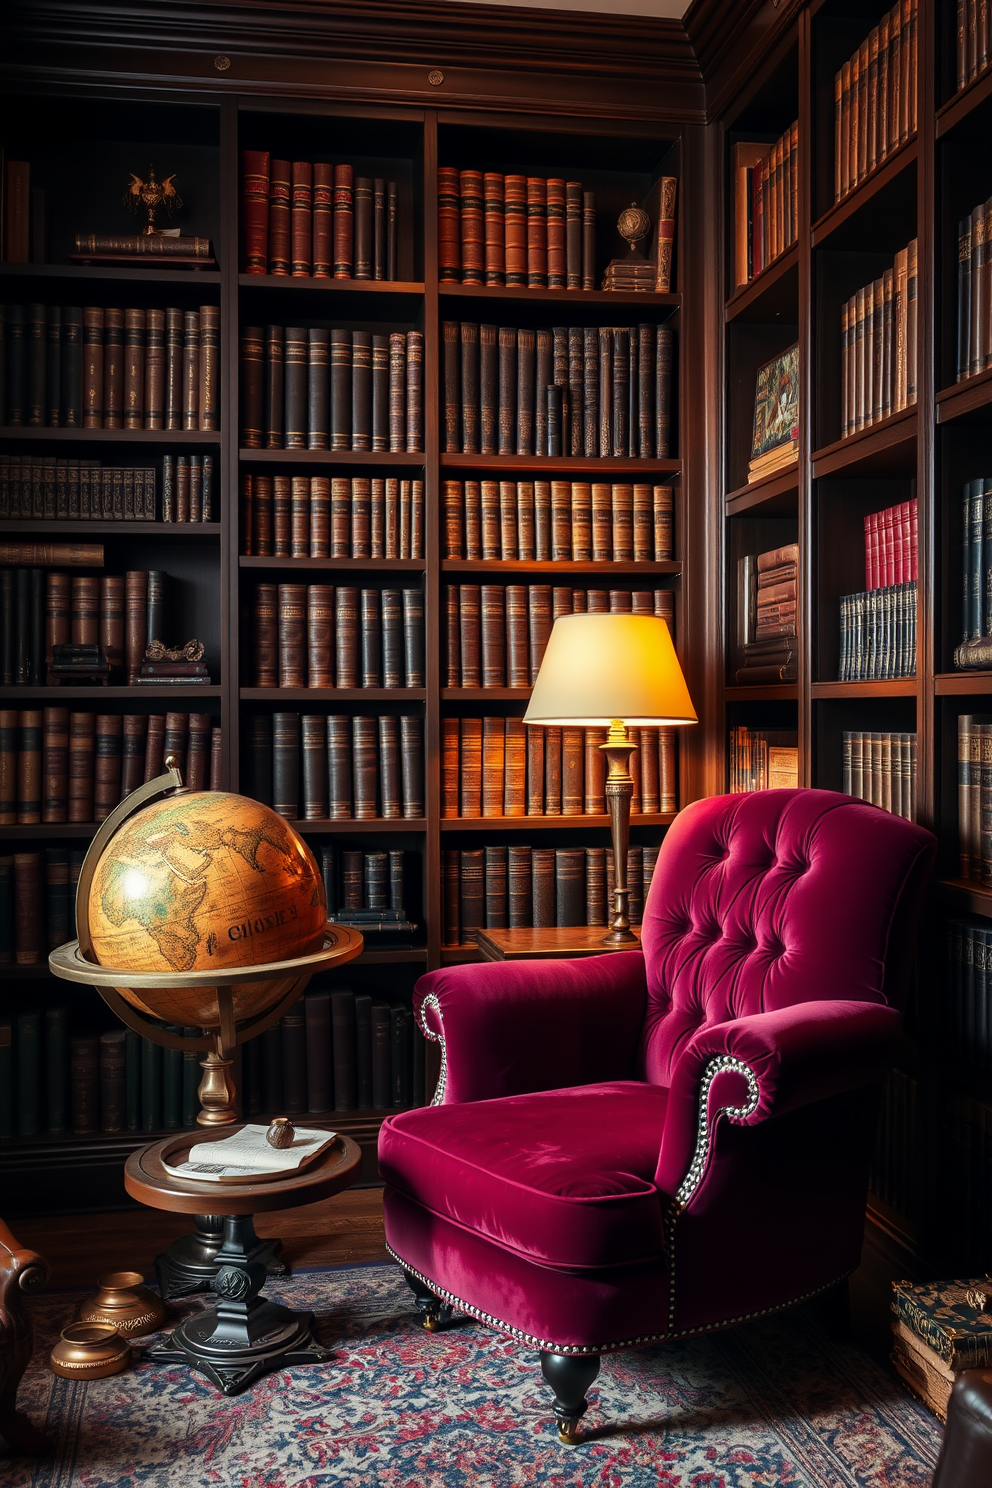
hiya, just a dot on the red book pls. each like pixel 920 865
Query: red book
pixel 556 234
pixel 255 210
pixel 888 549
pixel 344 221
pixel 537 233
pixel 280 186
pixel 914 546
pixel 449 259
pixel 869 551
pixel 473 227
pixel 323 219
pixel 302 219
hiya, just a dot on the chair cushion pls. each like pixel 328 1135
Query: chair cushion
pixel 562 1177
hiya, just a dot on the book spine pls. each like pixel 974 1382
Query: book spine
pixel 255 210
pixel 280 216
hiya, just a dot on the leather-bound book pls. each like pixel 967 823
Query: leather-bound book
pixel 175 739
pixel 553 423
pixel 570 886
pixel 543 375
pixel 317 388
pixel 470 768
pixel 299 516
pixel 489 517
pixel 472 907
pixel 346 638
pixel 280 216
pixel 391 513
pixel 84 1084
pixel 133 369
pixel 473 519
pixel 493 765
pixel 507 549
pixel 450 767
pixel 633 449
pixel 649 769
pixel 156 611
pixel 392 230
pixel 572 771
pixel 216 759
pixel 294 1061
pixel 604 401
pixel 320 635
pixel 173 389
pixel 371 639
pixel 556 234
pixel 451 334
pixel 54 766
pixel 319 1068
pixel 515 769
pixel 361 390
pixel 488 389
pixel 292 635
pixel 470 387
pixel 352 880
pixel 106 764
pixel 664 359
pixel 601 524
pixel 646 371
pixel 154 371
pixel 339 770
pixel 560 379
pixel 320 516
pixel 301 219
pixel 524 512
pixel 265 635
pixel 296 375
pixel 112 619
pixel 397 894
pixel 517 636
pixel 539 626
pixel 543 912
pixel 313 739
pixel 390 768
pixel 365 765
pixel 252 347
pixel 113 367
pixel 635 883
pixel 255 211
pixel 29 943
pixel 552 771
pixel 198 755
pixel 135 728
pixel 507 398
pixel 340 517
pixel 473 253
pixel 286 764
pixel 525 392
pixel 588 240
pixel 590 392
pixel 515 233
pixel 10 738
pixel 495 888
pixel 667 778
pixel 594 799
pixel 282 523
pixel 364 228
pixel 92 369
pixel 344 222
pixel 535 771
pixel 495 231
pixel 191 369
pixel 622 496
pixel 542 521
pixel 620 418
pixel 448 225
pixel 452 499
pixel 58 616
pixel 520 909
pixel 412 765
pixel 635 771
pixel 561 520
pixel 537 233
pixel 273 392
pixel 360 535
pixel 470 634
pixel 71 370
pixel 450 896
pixel 135 621
pixel 573 234
pixel 642 522
pixel 576 391
pixel 582 521
pixel 493 634
pixel 154 748
pixel 595 886
pixel 414 644
pixel 414 392
pixel 29 765
pixel 397 392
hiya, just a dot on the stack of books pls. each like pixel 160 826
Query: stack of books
pixel 939 1329
pixel 316 766
pixel 321 516
pixel 554 521
pixel 875 97
pixel 322 635
pixel 775 441
pixel 767 586
pixel 317 221
pixel 763 759
pixel 878 625
pixel 367 891
pixel 975 650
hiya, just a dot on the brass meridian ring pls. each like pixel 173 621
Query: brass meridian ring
pixel 341 944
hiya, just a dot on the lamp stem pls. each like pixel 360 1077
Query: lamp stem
pixel 619 792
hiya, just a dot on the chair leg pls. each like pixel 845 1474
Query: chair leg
pixel 570 1376
pixel 434 1313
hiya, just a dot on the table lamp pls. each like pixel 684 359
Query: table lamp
pixel 612 671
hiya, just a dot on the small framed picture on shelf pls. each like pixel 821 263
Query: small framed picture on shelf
pixel 776 415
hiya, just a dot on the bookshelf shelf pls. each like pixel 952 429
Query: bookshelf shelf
pixel 896 688
pixel 384 824
pixel 281 282
pixel 50 831
pixel 578 297
pixel 962 684
pixel 605 467
pixel 462 955
pixel 408 461
pixel 123 273
pixel 185 693
pixel 844 225
pixel 770 295
pixel 966 894
pixel 40 434
pixel 885 448
pixel 333 694
pixel 485 694
pixel 774 496
pixel 969 401
pixel 55 530
pixel 959 109
pixel 496 566
pixel 775 692
pixel 345 565
pixel 564 823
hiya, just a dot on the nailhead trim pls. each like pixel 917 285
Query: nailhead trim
pixel 725 1063
pixel 433 1001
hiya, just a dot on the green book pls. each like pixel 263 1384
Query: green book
pixel 192 1075
pixel 954 1318
pixel 6 1078
pixel 132 1080
pixel 57 1068
pixel 28 1074
pixel 6 909
pixel 151 1086
pixel 172 1085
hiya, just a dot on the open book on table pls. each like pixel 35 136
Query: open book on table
pixel 247 1155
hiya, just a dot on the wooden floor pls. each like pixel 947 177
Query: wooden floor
pixel 80 1248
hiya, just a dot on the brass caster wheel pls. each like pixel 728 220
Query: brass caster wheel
pixel 432 1323
pixel 568 1432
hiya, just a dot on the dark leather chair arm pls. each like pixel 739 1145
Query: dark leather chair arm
pixel 965 1459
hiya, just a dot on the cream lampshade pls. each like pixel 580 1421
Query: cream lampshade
pixel 612 671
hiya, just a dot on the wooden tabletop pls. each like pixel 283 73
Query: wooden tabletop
pixel 550 944
pixel 148 1180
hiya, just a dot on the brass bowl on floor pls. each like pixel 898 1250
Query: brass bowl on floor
pixel 125 1303
pixel 90 1351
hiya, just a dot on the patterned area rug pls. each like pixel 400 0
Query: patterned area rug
pixel 773 1403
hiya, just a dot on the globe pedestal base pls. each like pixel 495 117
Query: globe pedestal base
pixel 191 1262
pixel 245 1335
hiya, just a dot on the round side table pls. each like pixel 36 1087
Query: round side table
pixel 245 1335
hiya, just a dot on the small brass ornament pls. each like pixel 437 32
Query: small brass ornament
pixel 633 225
pixel 124 1303
pixel 149 195
pixel 281 1132
pixel 90 1351
pixel 159 651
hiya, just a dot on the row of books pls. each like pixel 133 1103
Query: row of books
pixel 875 103
pixel 568 390
pixel 62 766
pixel 878 634
pixel 974 781
pixel 766 202
pixel 937 1331
pixel 558 521
pixel 762 759
pixel 968 1019
pixel 974 339
pixel 975 650
pixel 881 768
pixel 42 611
pixel 316 635
pixel 497 634
pixel 524 232
pixel 314 388
pixel 767 586
pixel 879 346
pixel 108 368
pixel 492 888
pixel 23 215
pixel 496 767
pixel 891 546
pixel 316 766
pixel 973 44
pixel 368 890
pixel 317 516
pixel 37 899
pixel 316 220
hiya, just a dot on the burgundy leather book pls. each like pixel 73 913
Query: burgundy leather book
pixel 495 229
pixel 473 253
pixel 515 213
pixel 198 755
pixel 323 220
pixel 537 233
pixel 135 621
pixel 450 766
pixel 54 765
pixel 154 746
pixel 301 219
pixel 344 222
pixel 292 635
pixel 107 753
pixel 255 211
pixel 135 729
pixel 320 635
pixel 280 216
pixel 594 799
pixel 448 225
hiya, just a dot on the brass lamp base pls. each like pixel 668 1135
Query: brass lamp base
pixel 619 794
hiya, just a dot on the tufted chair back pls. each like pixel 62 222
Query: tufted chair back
pixel 764 900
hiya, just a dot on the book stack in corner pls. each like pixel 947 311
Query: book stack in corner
pixel 763 759
pixel 767 586
pixel 878 626
pixel 766 202
pixel 939 1329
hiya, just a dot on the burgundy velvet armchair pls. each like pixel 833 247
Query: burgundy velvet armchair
pixel 650 1144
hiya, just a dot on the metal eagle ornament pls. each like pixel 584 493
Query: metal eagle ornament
pixel 149 195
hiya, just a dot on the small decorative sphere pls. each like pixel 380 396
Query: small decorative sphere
pixel 281 1132
pixel 203 880
pixel 634 224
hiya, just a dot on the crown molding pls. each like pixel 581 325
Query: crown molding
pixel 727 38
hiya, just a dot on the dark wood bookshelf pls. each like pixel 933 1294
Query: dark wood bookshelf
pixel 886 447
pixel 774 494
pixel 124 273
pixel 379 458
pixel 599 567
pixel 333 694
pixel 769 293
pixel 127 531
pixel 39 434
pixel 841 221
pixel 897 687
pixel 566 464
pixel 345 565
pixel 969 400
pixel 559 823
pixel 185 692
pixel 304 283
pixel 499 294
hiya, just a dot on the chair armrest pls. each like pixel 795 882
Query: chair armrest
pixel 762 1066
pixel 511 1027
